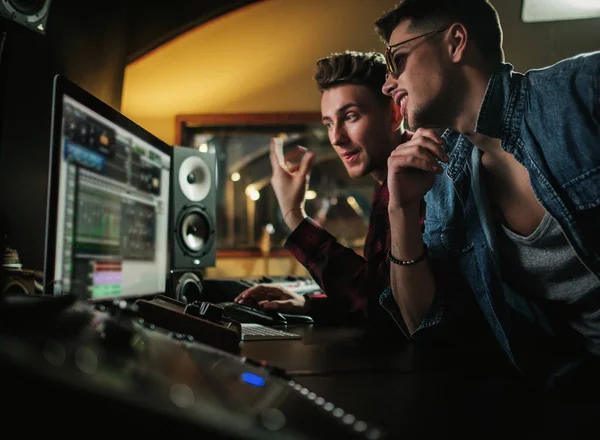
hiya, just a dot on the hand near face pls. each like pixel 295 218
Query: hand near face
pixel 273 298
pixel 412 168
pixel 290 181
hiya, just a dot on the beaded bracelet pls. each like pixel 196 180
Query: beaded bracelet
pixel 394 260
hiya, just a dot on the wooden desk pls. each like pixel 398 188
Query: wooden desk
pixel 330 350
pixel 413 393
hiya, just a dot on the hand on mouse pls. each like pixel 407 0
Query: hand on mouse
pixel 274 298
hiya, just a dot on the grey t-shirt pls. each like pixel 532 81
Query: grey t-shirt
pixel 544 266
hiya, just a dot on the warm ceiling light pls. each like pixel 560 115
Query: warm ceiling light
pixel 310 195
pixel 235 177
pixel 252 192
pixel 556 10
pixel 254 195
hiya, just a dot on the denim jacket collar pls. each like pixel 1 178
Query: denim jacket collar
pixel 500 107
pixel 496 102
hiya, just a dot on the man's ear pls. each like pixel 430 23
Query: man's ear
pixel 457 42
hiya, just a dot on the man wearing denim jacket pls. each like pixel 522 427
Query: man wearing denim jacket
pixel 512 189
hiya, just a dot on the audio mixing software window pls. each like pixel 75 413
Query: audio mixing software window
pixel 112 211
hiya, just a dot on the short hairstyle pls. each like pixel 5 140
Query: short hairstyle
pixel 479 17
pixel 350 67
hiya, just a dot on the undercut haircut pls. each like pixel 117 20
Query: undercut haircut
pixel 479 18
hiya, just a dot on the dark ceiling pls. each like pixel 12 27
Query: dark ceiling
pixel 153 23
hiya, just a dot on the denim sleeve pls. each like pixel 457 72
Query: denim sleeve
pixel 453 312
pixel 431 319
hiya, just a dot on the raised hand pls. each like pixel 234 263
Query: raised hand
pixel 290 182
pixel 412 168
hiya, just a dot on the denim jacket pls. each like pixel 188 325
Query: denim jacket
pixel 549 119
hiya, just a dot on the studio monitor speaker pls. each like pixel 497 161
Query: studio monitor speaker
pixel 32 14
pixel 185 286
pixel 194 202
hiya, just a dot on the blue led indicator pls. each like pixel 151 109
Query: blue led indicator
pixel 253 379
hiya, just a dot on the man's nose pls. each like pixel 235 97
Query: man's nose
pixel 338 135
pixel 388 86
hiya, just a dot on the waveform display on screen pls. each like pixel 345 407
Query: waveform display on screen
pixel 107 278
pixel 98 222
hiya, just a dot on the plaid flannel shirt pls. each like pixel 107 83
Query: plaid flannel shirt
pixel 351 282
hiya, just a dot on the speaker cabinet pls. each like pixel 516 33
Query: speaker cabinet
pixel 193 209
pixel 32 14
pixel 185 286
pixel 26 282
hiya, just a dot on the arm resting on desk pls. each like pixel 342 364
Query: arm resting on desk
pixel 431 319
pixel 453 315
pixel 346 277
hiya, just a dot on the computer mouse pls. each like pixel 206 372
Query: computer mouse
pixel 294 319
pixel 250 302
pixel 289 318
pixel 247 314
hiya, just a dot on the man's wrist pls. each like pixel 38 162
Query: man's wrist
pixel 293 217
pixel 406 233
pixel 407 213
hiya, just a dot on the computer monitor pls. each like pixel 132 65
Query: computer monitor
pixel 108 201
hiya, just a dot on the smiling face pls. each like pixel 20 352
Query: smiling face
pixel 360 129
pixel 424 85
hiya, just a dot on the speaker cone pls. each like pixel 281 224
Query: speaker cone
pixel 196 231
pixel 194 178
pixel 27 7
pixel 189 288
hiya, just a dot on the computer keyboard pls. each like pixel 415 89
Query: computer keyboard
pixel 259 332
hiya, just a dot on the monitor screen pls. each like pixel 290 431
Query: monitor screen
pixel 108 201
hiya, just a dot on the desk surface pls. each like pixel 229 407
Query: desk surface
pixel 409 391
pixel 330 350
pixel 414 393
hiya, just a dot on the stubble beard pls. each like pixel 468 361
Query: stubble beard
pixel 439 111
pixel 432 116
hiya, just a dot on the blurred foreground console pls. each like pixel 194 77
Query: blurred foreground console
pixel 69 368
